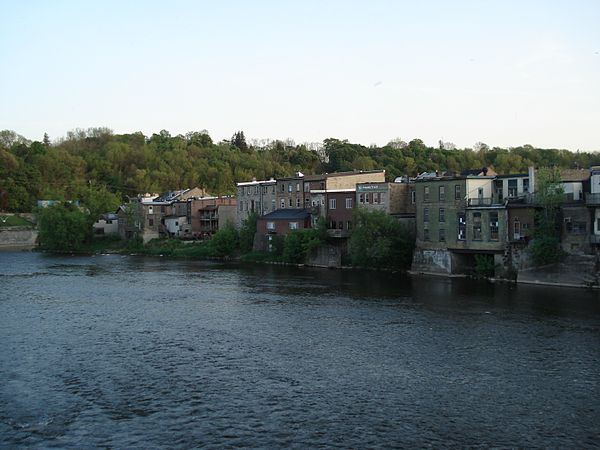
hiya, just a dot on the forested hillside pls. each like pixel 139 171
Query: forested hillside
pixel 96 161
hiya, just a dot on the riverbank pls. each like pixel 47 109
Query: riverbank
pixel 575 272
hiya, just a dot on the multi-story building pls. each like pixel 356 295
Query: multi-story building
pixel 279 223
pixel 458 218
pixel 255 197
pixel 396 199
pixel 290 192
pixel 207 215
pixel 333 197
pixel 592 201
pixel 578 224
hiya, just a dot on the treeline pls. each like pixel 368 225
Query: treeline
pixel 96 160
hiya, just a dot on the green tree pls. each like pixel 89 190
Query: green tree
pixel 239 140
pixel 247 232
pixel 62 227
pixel 545 247
pixel 379 240
pixel 225 241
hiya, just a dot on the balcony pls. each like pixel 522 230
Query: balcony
pixel 480 201
pixel 592 199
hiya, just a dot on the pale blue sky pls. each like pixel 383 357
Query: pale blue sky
pixel 505 72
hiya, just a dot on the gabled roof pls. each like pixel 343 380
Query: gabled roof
pixel 287 214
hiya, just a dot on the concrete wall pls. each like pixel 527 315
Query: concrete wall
pixel 327 256
pixel 13 238
pixel 434 261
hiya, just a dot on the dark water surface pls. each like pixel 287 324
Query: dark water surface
pixel 131 352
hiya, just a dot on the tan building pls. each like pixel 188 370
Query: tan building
pixel 207 215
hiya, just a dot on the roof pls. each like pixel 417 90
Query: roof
pixel 478 172
pixel 341 174
pixel 287 214
pixel 513 175
pixel 332 191
pixel 255 182
pixel 574 175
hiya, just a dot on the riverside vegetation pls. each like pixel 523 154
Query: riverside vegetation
pixel 98 170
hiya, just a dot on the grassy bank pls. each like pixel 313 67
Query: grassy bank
pixel 14 221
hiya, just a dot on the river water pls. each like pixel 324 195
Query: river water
pixel 133 352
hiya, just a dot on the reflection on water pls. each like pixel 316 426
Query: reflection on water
pixel 121 352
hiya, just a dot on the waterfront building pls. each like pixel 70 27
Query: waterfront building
pixel 254 197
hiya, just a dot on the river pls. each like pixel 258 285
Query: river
pixel 135 352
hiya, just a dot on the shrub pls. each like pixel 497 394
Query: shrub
pixel 63 227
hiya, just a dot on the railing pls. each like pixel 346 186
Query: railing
pixel 480 201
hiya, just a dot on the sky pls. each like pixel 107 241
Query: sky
pixel 505 73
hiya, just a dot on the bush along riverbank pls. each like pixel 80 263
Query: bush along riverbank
pixel 377 241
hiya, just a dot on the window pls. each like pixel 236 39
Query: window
pixel 273 205
pixel 256 190
pixel 493 226
pixel 282 203
pixel 348 203
pixel 462 226
pixel 442 215
pixel 297 187
pixel 270 225
pixel 512 188
pixel 290 201
pixel 150 210
pixel 298 203
pixel 307 203
pixel 150 222
pixel 413 197
pixel 376 197
pixel 525 185
pixel 282 187
pixel 576 227
pixel 348 225
pixel 306 187
pixel 264 189
pixel 457 194
pixel 425 214
pixel 426 234
pixel 442 235
pixel 442 193
pixel 476 226
pixel 290 187
pixel 367 198
pixel 293 225
pixel 361 198
pixel 332 203
pixel 426 194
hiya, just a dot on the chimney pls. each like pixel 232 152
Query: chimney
pixel 531 173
